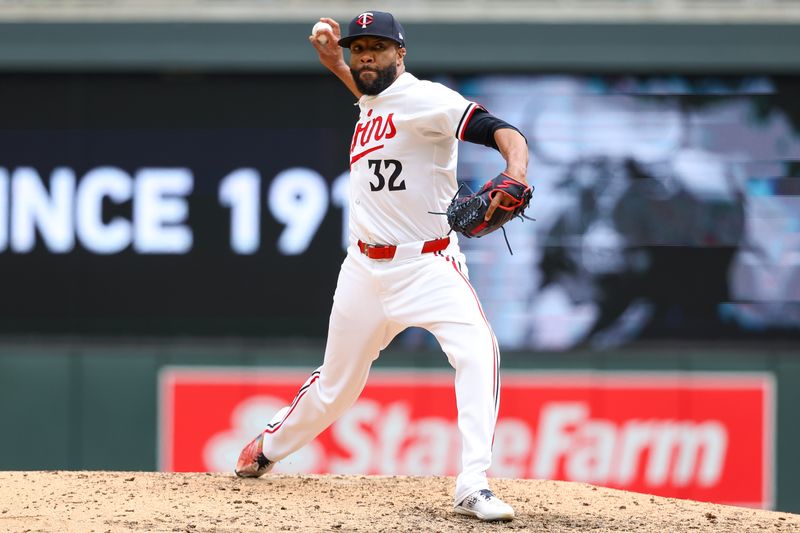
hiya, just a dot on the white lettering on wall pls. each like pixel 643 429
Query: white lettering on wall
pixel 298 198
pixel 161 209
pixel 554 441
pixel 349 431
pixel 598 451
pixel 239 191
pixel 57 213
pixel 35 208
pixel 3 209
pixel 681 449
pixel 95 235
pixel 511 448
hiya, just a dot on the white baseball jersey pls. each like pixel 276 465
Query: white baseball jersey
pixel 403 160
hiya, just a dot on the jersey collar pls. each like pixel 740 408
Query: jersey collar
pixel 402 82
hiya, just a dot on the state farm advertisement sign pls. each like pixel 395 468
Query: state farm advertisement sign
pixel 703 436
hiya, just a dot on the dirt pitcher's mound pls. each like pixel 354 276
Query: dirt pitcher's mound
pixel 146 501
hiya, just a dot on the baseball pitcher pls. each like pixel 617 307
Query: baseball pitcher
pixel 404 267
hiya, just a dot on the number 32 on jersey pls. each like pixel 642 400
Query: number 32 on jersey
pixel 382 167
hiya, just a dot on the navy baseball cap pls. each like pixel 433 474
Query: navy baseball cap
pixel 374 24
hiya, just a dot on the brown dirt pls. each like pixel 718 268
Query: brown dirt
pixel 146 501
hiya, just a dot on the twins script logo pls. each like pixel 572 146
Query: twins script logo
pixel 374 129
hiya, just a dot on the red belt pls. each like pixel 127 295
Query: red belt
pixel 387 251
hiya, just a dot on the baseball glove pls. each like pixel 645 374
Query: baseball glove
pixel 466 214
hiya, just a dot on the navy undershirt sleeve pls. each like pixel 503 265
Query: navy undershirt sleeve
pixel 481 127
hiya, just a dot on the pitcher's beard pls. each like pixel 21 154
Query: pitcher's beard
pixel 384 78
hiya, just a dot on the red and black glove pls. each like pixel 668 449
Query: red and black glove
pixel 467 215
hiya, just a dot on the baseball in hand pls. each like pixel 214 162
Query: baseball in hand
pixel 318 27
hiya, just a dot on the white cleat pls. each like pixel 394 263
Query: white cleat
pixel 484 505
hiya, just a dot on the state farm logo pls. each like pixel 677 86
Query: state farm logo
pixel 675 436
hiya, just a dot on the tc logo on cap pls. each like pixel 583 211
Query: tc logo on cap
pixel 365 19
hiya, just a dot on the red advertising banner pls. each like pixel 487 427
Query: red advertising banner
pixel 702 436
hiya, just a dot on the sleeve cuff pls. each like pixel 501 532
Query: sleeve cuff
pixel 465 118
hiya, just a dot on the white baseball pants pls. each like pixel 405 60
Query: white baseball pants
pixel 373 302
